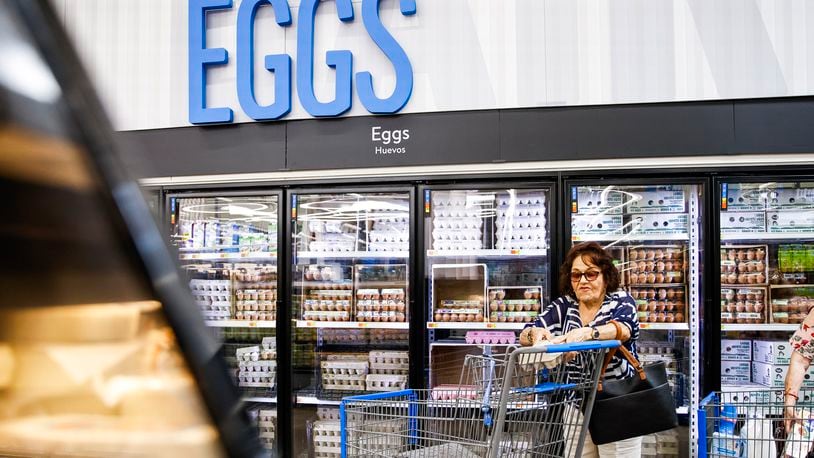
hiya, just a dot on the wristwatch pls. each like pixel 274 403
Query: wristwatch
pixel 594 333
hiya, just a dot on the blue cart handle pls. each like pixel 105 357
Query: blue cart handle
pixel 580 346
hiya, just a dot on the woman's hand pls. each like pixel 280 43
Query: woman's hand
pixel 534 335
pixel 790 418
pixel 575 336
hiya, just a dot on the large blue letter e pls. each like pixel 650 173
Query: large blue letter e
pixel 200 57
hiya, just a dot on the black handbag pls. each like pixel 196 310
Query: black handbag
pixel 635 406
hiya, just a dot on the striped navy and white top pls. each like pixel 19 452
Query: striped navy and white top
pixel 562 316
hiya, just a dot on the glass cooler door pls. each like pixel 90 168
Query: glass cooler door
pixel 227 246
pixel 767 279
pixel 349 304
pixel 487 271
pixel 654 233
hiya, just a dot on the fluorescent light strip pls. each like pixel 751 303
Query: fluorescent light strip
pixel 682 162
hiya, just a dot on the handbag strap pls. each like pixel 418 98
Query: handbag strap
pixel 625 353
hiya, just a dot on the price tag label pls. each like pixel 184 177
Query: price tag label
pixel 224 255
pixel 432 325
pixel 644 325
pixel 361 324
pixel 491 325
pixel 309 324
pixel 515 251
pixel 252 324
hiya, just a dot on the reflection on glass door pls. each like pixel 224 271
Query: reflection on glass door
pixel 228 248
pixel 767 280
pixel 487 270
pixel 350 290
pixel 654 234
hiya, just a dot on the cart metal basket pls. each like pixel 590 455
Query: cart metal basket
pixel 527 402
pixel 753 424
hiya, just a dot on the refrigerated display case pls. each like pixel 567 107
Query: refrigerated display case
pixel 350 303
pixel 766 277
pixel 653 229
pixel 227 246
pixel 487 269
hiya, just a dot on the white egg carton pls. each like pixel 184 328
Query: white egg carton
pixel 257 366
pixel 256 295
pixel 216 315
pixel 388 236
pixel 388 246
pixel 389 362
pixel 327 438
pixel 655 223
pixel 256 306
pixel 348 367
pixel 379 382
pixel 210 286
pixel 325 247
pixel 454 392
pixel 264 352
pixel 343 382
pixel 257 379
pixel 255 316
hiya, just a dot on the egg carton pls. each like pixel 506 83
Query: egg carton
pixel 327 438
pixel 659 200
pixel 380 382
pixel 389 336
pixel 454 392
pixel 343 382
pixel 254 275
pixel 671 223
pixel 331 294
pixel 255 316
pixel 311 315
pixel 256 306
pixel 257 379
pixel 355 368
pixel 210 286
pixel 375 236
pixel 341 336
pixel 597 224
pixel 373 316
pixel 264 352
pixel 211 296
pixel 389 363
pixel 388 246
pixel 257 366
pixel 490 337
pixel 380 306
pixel 326 305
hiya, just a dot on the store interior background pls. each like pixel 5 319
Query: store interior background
pixel 644 96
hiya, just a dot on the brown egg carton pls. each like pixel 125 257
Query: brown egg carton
pixel 656 264
pixel 662 317
pixel 662 293
pixel 744 300
pixel 788 317
pixel 744 265
pixel 743 317
pixel 661 306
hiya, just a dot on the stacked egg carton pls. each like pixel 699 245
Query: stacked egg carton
pixel 521 221
pixel 327 305
pixel 490 337
pixel 459 311
pixel 792 310
pixel 327 438
pixel 389 336
pixel 213 297
pixel 456 226
pixel 386 305
pixel 656 265
pixel 329 236
pixel 665 304
pixel 388 370
pixel 522 305
pixel 256 304
pixel 257 365
pixel 744 265
pixel 383 434
pixel 743 305
pixel 341 336
pixel 390 233
pixel 345 372
pixel 266 421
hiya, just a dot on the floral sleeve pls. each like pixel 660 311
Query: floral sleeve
pixel 802 341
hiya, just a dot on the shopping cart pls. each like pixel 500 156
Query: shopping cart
pixel 527 402
pixel 752 424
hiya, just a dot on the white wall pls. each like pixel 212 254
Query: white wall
pixel 466 54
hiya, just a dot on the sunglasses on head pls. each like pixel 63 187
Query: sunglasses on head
pixel 590 275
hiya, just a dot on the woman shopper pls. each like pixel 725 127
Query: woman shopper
pixel 802 352
pixel 591 299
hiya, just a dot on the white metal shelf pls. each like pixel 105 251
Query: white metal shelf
pixel 804 285
pixel 227 256
pixel 664 326
pixel 353 324
pixel 766 236
pixel 241 324
pixel 313 400
pixel 260 399
pixel 474 326
pixel 353 254
pixel 629 237
pixel 484 253
pixel 759 327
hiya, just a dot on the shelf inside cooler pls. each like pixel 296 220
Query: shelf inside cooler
pixel 664 326
pixel 353 324
pixel 759 327
pixel 227 256
pixel 241 324
pixel 474 326
pixel 630 237
pixel 353 255
pixel 764 236
pixel 484 253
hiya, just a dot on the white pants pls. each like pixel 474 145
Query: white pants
pixel 628 448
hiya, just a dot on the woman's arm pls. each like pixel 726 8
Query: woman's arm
pixel 794 378
pixel 539 330
pixel 624 313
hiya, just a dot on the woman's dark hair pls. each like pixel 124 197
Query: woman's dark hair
pixel 593 252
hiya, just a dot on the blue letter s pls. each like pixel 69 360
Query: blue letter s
pixel 280 64
pixel 401 64
pixel 341 61
pixel 199 58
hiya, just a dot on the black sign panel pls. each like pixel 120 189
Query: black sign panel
pixel 385 141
